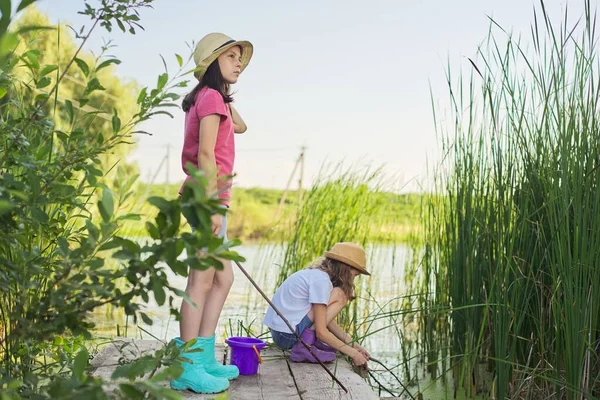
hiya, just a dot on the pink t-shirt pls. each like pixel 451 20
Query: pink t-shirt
pixel 210 101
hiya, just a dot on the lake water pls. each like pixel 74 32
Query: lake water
pixel 381 292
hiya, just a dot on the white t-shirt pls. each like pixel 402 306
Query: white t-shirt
pixel 295 297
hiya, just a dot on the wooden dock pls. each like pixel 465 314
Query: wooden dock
pixel 277 378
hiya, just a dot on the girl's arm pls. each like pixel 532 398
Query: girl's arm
pixel 323 334
pixel 239 126
pixel 209 128
pixel 346 338
pixel 339 332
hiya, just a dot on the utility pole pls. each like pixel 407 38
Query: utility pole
pixel 168 159
pixel 300 163
pixel 301 160
pixel 287 187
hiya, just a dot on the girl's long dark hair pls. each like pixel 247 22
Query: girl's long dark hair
pixel 214 80
pixel 339 273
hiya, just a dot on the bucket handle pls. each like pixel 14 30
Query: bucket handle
pixel 257 354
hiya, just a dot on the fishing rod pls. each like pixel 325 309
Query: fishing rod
pixel 290 326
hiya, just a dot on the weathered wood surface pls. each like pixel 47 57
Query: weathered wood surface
pixel 315 384
pixel 277 377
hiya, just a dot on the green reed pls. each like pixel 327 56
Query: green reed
pixel 513 235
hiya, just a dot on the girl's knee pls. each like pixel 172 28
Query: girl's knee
pixel 199 282
pixel 198 286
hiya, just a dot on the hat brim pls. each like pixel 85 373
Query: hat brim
pixel 247 51
pixel 347 261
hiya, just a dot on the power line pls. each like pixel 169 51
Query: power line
pixel 271 149
pixel 265 150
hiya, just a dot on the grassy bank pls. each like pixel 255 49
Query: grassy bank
pixel 256 214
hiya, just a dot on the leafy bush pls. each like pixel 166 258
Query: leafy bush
pixel 61 254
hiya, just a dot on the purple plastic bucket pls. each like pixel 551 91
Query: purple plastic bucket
pixel 243 353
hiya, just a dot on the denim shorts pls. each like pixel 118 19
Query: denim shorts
pixel 285 340
pixel 223 231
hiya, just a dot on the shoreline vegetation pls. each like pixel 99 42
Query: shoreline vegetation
pixel 256 215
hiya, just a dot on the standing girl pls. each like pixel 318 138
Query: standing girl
pixel 311 299
pixel 210 124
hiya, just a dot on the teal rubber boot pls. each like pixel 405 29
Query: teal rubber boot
pixel 194 377
pixel 211 365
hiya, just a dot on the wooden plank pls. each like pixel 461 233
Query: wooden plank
pixel 107 360
pixel 273 381
pixel 315 384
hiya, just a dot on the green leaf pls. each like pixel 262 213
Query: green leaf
pixel 106 205
pixel 25 3
pixel 116 123
pixel 108 62
pixel 160 113
pixel 5 206
pixel 142 95
pixel 92 229
pixel 179 267
pixel 159 292
pixel 129 245
pixel 29 28
pixel 184 295
pixel 162 81
pixel 92 86
pixel 231 255
pixel 179 60
pixel 2 92
pixel 80 363
pixel 5 11
pixel 152 230
pixel 130 391
pixel 18 194
pixel 112 244
pixel 146 318
pixel 95 263
pixel 69 109
pixel 122 255
pixel 47 69
pixel 42 83
pixel 82 66
pixel 164 63
pixel 63 245
pixel 129 217
pixel 162 204
pixel 32 56
pixel 39 215
pixel 40 98
pixel 171 372
pixel 8 43
pixel 121 25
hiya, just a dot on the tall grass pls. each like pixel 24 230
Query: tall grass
pixel 513 235
pixel 346 208
pixel 344 204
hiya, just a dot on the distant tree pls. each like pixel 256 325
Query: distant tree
pixel 57 47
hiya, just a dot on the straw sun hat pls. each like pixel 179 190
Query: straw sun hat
pixel 211 46
pixel 351 254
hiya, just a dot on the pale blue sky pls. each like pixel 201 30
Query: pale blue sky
pixel 348 79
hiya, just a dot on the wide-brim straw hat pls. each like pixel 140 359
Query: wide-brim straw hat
pixel 351 254
pixel 211 46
